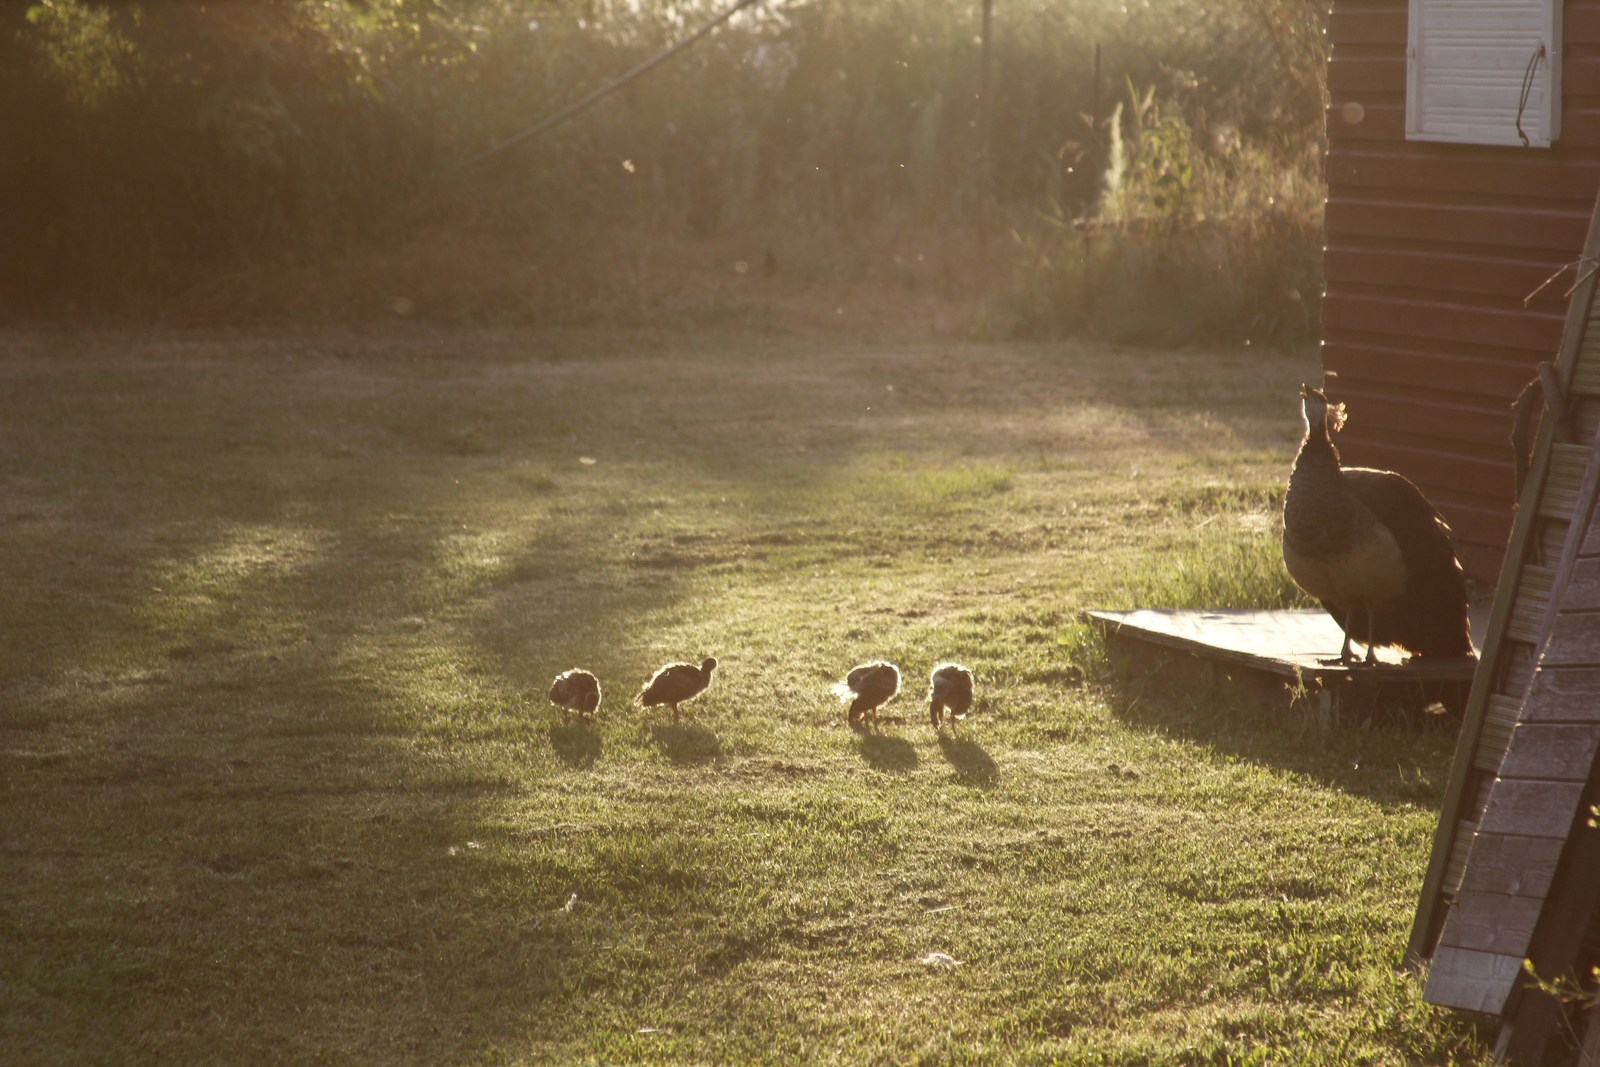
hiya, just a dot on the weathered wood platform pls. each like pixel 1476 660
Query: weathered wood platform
pixel 1277 660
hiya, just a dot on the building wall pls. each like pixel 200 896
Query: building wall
pixel 1431 249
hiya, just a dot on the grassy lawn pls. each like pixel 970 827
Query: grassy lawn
pixel 281 784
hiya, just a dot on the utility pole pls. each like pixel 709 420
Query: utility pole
pixel 985 123
pixel 1094 118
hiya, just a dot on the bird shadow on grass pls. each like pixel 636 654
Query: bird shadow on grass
pixel 1390 757
pixel 686 742
pixel 577 744
pixel 970 760
pixel 893 754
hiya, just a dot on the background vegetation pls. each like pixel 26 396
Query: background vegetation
pixel 203 160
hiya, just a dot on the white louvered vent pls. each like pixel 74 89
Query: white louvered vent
pixel 1476 70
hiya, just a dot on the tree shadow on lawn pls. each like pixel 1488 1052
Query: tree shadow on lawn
pixel 970 760
pixel 892 754
pixel 686 743
pixel 272 719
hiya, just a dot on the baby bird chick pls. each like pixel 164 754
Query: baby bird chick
pixel 575 691
pixel 949 691
pixel 868 688
pixel 675 683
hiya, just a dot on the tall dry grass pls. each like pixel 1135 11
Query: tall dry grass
pixel 157 147
pixel 1199 234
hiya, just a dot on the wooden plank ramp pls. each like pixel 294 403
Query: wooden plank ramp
pixel 1522 598
pixel 1281 660
pixel 1515 870
pixel 1527 888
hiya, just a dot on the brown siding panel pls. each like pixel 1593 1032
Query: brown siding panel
pixel 1472 169
pixel 1475 224
pixel 1396 366
pixel 1431 249
pixel 1580 25
pixel 1432 469
pixel 1350 25
pixel 1537 331
pixel 1484 274
pixel 1424 417
pixel 1379 121
pixel 1366 74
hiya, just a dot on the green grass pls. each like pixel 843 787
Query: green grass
pixel 280 783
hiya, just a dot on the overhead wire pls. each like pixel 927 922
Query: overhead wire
pixel 607 89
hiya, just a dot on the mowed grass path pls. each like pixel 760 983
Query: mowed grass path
pixel 281 784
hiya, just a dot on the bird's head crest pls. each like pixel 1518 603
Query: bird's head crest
pixel 1333 414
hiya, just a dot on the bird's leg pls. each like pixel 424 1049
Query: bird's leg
pixel 674 713
pixel 933 714
pixel 1345 654
pixel 1372 624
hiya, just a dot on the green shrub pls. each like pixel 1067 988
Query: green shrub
pixel 1193 239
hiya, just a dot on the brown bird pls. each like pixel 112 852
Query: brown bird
pixel 575 691
pixel 1370 547
pixel 949 690
pixel 868 688
pixel 675 683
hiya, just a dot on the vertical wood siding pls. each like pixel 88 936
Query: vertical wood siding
pixel 1430 250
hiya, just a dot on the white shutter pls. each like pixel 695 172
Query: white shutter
pixel 1475 68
